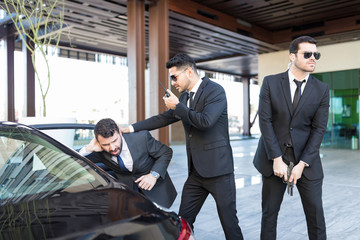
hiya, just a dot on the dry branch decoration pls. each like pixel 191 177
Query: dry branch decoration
pixel 39 24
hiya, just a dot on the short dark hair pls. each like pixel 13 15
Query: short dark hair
pixel 181 60
pixel 106 128
pixel 294 45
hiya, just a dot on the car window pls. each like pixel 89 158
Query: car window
pixel 82 137
pixel 74 138
pixel 31 167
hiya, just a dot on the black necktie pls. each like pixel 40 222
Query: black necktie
pixel 187 98
pixel 297 93
pixel 191 100
pixel 121 164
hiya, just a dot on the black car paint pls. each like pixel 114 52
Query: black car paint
pixel 109 212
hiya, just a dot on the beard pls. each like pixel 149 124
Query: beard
pixel 303 66
pixel 116 152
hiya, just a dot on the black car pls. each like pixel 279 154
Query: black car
pixel 49 191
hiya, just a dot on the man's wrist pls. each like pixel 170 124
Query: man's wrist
pixel 84 152
pixel 155 174
pixel 131 128
pixel 304 163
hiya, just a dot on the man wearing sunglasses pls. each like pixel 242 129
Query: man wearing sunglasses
pixel 202 108
pixel 293 114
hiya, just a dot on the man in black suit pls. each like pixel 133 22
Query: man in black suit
pixel 293 118
pixel 210 160
pixel 136 159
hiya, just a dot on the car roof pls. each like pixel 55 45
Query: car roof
pixel 48 126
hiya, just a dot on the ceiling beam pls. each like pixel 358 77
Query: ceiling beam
pixel 217 18
pixel 327 28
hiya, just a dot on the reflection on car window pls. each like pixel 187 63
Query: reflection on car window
pixel 31 167
pixel 82 137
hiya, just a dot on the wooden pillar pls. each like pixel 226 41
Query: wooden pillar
pixel 246 106
pixel 158 56
pixel 136 59
pixel 30 83
pixel 10 49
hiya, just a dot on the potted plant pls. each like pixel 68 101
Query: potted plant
pixel 39 23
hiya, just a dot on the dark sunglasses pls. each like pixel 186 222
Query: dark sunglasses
pixel 307 55
pixel 174 77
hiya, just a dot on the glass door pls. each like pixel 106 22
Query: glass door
pixel 343 124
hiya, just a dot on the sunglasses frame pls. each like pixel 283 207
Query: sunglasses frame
pixel 174 77
pixel 308 55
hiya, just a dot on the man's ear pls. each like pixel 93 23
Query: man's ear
pixel 292 57
pixel 190 71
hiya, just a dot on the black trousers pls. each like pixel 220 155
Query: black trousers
pixel 310 191
pixel 222 188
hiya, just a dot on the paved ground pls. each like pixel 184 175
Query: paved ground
pixel 341 196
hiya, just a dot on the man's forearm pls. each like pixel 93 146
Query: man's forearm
pixel 155 122
pixel 83 152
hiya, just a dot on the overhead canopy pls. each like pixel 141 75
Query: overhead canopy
pixel 221 35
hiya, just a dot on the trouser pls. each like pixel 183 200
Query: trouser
pixel 310 191
pixel 222 188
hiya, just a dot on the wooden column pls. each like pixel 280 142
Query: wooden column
pixel 10 49
pixel 30 83
pixel 246 106
pixel 158 56
pixel 136 59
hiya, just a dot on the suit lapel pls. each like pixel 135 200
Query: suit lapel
pixel 306 94
pixel 205 80
pixel 286 91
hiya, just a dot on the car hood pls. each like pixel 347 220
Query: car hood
pixel 97 214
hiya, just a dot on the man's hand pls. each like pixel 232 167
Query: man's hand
pixel 297 172
pixel 280 168
pixel 93 146
pixel 146 182
pixel 124 129
pixel 171 101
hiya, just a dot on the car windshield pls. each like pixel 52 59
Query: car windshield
pixel 32 168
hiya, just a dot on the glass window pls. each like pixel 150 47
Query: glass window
pixel 31 167
pixel 343 125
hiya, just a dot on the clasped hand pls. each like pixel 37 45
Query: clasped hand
pixel 280 170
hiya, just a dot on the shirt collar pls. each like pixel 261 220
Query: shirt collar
pixel 291 77
pixel 196 87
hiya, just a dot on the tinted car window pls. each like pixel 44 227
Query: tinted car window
pixel 33 168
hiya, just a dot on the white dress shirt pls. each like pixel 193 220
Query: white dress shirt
pixel 293 85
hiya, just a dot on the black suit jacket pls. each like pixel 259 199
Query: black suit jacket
pixel 280 126
pixel 147 154
pixel 206 129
